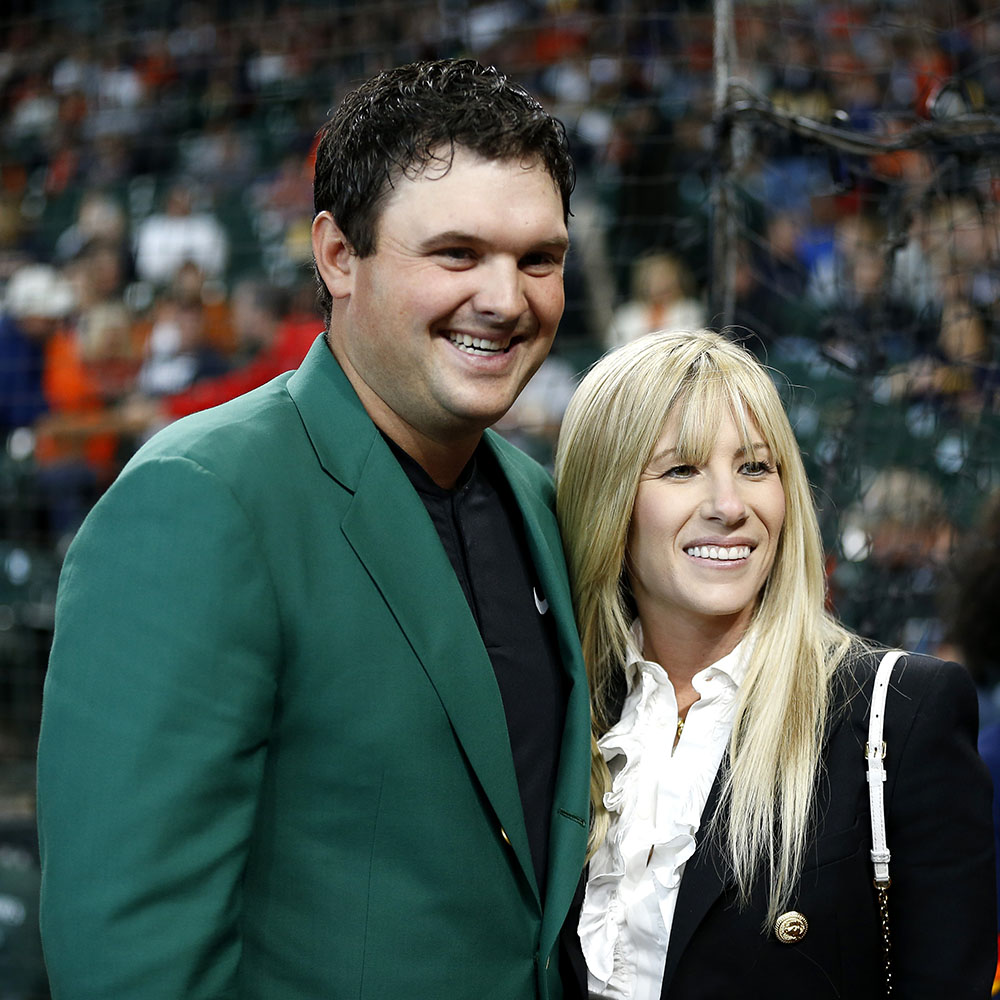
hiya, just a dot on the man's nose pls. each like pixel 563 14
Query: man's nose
pixel 500 295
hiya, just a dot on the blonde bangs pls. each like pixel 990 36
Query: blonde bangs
pixel 716 386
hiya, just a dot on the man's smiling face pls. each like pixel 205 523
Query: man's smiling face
pixel 445 323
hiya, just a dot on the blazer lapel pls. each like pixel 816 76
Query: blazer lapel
pixel 570 808
pixel 704 877
pixel 394 538
pixel 701 885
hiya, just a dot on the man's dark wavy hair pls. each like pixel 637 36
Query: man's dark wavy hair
pixel 405 119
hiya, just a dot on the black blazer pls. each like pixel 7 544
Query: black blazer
pixel 939 829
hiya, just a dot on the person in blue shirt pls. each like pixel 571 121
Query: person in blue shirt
pixel 37 299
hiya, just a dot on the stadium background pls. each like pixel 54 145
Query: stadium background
pixel 823 178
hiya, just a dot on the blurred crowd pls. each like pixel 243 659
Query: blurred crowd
pixel 155 205
pixel 155 201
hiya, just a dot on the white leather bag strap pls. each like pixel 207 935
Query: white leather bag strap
pixel 875 755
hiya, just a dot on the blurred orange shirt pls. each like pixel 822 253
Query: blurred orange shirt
pixel 74 388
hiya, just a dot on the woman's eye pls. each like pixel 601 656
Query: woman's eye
pixel 756 468
pixel 680 472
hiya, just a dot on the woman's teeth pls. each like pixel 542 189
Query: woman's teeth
pixel 719 551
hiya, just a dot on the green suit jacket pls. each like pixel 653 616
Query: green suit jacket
pixel 274 761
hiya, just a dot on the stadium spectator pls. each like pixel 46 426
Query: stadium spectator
pixel 896 538
pixel 970 608
pixel 643 160
pixel 271 338
pixel 99 273
pixel 177 236
pixel 187 329
pixel 38 300
pixel 89 367
pixel 769 285
pixel 864 326
pixel 956 371
pixel 222 158
pixel 662 299
pixel 99 217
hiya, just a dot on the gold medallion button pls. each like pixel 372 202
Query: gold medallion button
pixel 791 927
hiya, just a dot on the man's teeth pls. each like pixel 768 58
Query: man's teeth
pixel 476 345
pixel 719 551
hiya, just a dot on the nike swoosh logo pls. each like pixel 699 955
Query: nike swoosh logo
pixel 540 602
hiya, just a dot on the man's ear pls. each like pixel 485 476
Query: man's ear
pixel 334 256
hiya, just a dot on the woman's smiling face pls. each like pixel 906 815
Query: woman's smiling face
pixel 703 536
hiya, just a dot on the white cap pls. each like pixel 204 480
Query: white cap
pixel 39 290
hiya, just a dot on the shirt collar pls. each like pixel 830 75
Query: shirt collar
pixel 734 664
pixel 419 478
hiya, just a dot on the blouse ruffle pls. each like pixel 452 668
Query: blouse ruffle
pixel 646 812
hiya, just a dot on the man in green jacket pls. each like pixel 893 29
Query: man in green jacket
pixel 315 723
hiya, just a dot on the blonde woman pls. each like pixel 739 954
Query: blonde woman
pixel 730 839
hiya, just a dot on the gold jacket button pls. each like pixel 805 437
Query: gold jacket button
pixel 503 833
pixel 791 927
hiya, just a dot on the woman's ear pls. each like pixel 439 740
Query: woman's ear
pixel 334 256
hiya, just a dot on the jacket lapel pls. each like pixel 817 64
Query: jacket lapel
pixel 704 877
pixel 393 536
pixel 570 807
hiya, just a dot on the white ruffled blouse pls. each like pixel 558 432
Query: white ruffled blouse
pixel 656 800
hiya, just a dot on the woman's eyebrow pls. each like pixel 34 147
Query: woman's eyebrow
pixel 662 454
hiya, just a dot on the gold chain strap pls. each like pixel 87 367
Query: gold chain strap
pixel 883 906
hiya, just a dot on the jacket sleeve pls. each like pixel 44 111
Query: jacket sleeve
pixel 942 900
pixel 156 714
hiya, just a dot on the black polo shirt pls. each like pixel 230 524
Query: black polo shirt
pixel 482 531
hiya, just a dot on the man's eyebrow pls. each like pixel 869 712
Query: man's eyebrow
pixel 458 237
pixel 556 243
pixel 447 237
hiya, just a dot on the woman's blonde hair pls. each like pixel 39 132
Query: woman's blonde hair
pixel 608 434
